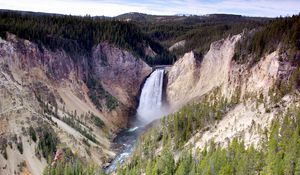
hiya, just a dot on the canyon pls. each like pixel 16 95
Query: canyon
pixel 114 107
pixel 27 72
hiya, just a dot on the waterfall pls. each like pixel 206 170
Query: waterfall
pixel 149 109
pixel 150 106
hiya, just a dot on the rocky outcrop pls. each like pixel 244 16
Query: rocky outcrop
pixel 194 79
pixel 25 55
pixel 149 52
pixel 182 78
pixel 120 72
pixel 177 45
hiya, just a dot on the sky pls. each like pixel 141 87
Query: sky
pixel 265 8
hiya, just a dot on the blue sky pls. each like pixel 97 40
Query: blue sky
pixel 267 8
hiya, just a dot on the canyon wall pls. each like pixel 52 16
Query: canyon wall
pixel 246 86
pixel 41 87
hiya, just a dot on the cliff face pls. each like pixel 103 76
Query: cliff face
pixel 194 78
pixel 182 78
pixel 120 72
pixel 42 87
pixel 248 87
pixel 197 78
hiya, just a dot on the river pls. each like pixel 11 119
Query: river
pixel 149 109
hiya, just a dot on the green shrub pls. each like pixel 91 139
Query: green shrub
pixel 97 94
pixel 32 134
pixel 77 126
pixel 20 146
pixel 48 141
pixel 97 121
pixel 70 164
pixel 111 102
pixel 86 142
pixel 3 146
pixel 4 153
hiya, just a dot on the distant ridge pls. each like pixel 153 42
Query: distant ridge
pixel 142 17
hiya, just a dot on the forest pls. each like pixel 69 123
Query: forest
pixel 278 153
pixel 78 35
pixel 198 31
pixel 284 31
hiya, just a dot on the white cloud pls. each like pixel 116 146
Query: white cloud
pixel 116 7
pixel 70 7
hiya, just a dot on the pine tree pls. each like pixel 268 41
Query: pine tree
pixel 166 162
pixel 273 157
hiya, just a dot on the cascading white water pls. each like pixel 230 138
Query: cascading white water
pixel 149 109
pixel 150 106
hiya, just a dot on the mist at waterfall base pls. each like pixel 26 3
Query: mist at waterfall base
pixel 150 108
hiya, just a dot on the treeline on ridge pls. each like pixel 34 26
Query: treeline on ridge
pixel 77 35
pixel 199 31
pixel 282 32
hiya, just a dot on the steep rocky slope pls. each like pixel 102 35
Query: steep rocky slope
pixel 120 72
pixel 200 76
pixel 50 92
pixel 242 84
